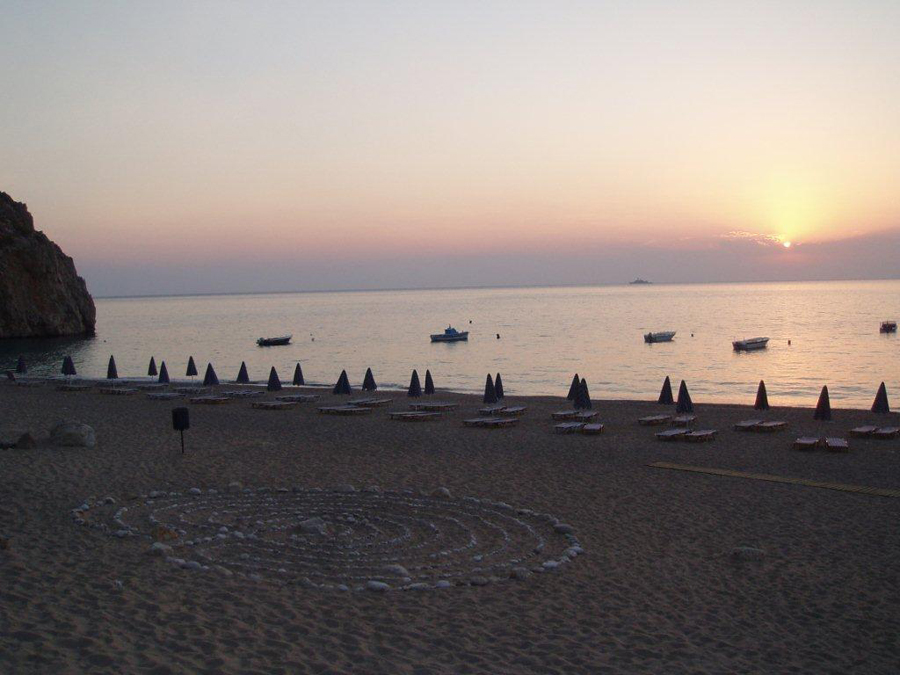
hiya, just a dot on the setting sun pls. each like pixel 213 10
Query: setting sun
pixel 786 244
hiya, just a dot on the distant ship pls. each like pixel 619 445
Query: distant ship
pixel 450 334
pixel 639 281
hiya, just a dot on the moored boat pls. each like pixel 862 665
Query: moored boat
pixel 274 341
pixel 750 344
pixel 888 327
pixel 662 336
pixel 450 334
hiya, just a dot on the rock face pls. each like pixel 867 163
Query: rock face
pixel 41 294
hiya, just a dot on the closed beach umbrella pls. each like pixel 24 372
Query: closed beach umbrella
pixel 665 394
pixel 68 367
pixel 298 380
pixel 684 405
pixel 762 399
pixel 369 381
pixel 210 379
pixel 111 372
pixel 490 393
pixel 21 368
pixel 583 397
pixel 429 383
pixel 342 386
pixel 415 389
pixel 573 388
pixel 823 407
pixel 151 369
pixel 243 377
pixel 498 386
pixel 192 368
pixel 274 383
pixel 881 402
pixel 163 373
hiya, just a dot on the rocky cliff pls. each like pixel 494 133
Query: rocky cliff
pixel 41 294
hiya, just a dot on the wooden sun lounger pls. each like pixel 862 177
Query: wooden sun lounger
pixel 344 410
pixel 210 400
pixel 564 414
pixel 297 398
pixel 370 402
pixel 592 429
pixel 492 410
pixel 806 443
pixel 568 427
pixel 164 395
pixel 585 415
pixel 152 386
pixel 118 391
pixel 415 416
pixel 837 445
pixel 491 422
pixel 700 435
pixel 863 432
pixel 769 427
pixel 73 387
pixel 671 434
pixel 191 389
pixel 684 420
pixel 884 433
pixel 513 411
pixel 244 393
pixel 747 425
pixel 433 406
pixel 273 405
pixel 654 420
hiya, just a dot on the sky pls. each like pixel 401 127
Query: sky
pixel 193 147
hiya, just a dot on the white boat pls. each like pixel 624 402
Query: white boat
pixel 273 341
pixel 450 334
pixel 750 344
pixel 662 336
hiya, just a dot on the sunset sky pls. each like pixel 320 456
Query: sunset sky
pixel 216 147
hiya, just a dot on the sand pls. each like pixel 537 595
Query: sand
pixel 656 590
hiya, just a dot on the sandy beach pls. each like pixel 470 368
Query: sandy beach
pixel 656 589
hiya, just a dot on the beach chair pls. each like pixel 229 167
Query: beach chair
pixel 684 420
pixel 568 427
pixel 592 429
pixel 700 435
pixel 884 433
pixel 118 391
pixel 73 387
pixel 164 395
pixel 273 405
pixel 654 420
pixel 564 414
pixel 210 400
pixel 770 427
pixel 344 410
pixel 837 445
pixel 297 398
pixel 513 411
pixel 491 422
pixel 747 425
pixel 371 402
pixel 585 415
pixel 492 410
pixel 671 434
pixel 197 390
pixel 244 393
pixel 806 443
pixel 152 386
pixel 863 432
pixel 433 406
pixel 415 416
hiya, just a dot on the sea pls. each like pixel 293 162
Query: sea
pixel 821 333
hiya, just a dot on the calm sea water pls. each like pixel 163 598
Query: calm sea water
pixel 546 334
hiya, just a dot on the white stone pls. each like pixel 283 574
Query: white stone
pixel 346 487
pixel 378 586
pixel 159 549
pixel 74 435
pixel 441 492
pixel 399 570
pixel 195 491
pixel 417 587
pixel 519 573
pixel 550 565
pixel 121 534
pixel 479 581
pixel 562 528
pixel 313 526
pixel 443 583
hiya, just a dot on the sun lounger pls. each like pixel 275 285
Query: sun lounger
pixel 297 398
pixel 491 422
pixel 671 434
pixel 568 427
pixel 863 432
pixel 837 445
pixel 884 433
pixel 433 406
pixel 747 425
pixel 244 393
pixel 564 414
pixel 164 395
pixel 370 402
pixel 806 443
pixel 19 382
pixel 344 410
pixel 118 391
pixel 415 416
pixel 769 427
pixel 152 386
pixel 585 415
pixel 513 411
pixel 192 389
pixel 210 400
pixel 73 387
pixel 490 411
pixel 592 429
pixel 684 420
pixel 273 405
pixel 700 435
pixel 654 420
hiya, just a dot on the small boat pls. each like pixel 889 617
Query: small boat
pixel 662 336
pixel 274 341
pixel 888 327
pixel 750 344
pixel 450 334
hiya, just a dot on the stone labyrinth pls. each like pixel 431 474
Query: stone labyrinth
pixel 341 539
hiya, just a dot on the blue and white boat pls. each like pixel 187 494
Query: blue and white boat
pixel 450 334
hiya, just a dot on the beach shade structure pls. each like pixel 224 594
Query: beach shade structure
pixel 243 377
pixel 415 389
pixel 498 386
pixel 369 381
pixel 274 384
pixel 68 367
pixel 490 392
pixel 823 407
pixel 342 386
pixel 573 388
pixel 665 394
pixel 583 397
pixel 762 399
pixel 684 404
pixel 21 367
pixel 111 372
pixel 163 373
pixel 429 383
pixel 298 380
pixel 192 368
pixel 881 401
pixel 210 379
pixel 151 369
